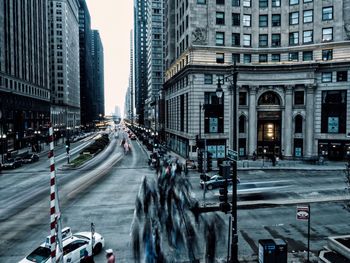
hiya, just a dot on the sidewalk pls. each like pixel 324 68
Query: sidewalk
pixel 45 148
pixel 290 165
pixel 259 164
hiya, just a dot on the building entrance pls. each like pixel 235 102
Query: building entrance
pixel 269 133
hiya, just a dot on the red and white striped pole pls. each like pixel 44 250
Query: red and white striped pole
pixel 55 226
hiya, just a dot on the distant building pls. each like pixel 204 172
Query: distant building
pixel 98 104
pixel 64 63
pixel 85 59
pixel 140 52
pixel 293 76
pixel 117 112
pixel 127 105
pixel 24 75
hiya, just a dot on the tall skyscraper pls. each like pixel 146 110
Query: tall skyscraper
pixel 131 78
pixel 140 51
pixel 293 68
pixel 24 82
pixel 98 70
pixel 64 63
pixel 155 60
pixel 85 59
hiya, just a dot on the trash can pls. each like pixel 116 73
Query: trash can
pixel 267 251
pixel 273 251
pixel 281 251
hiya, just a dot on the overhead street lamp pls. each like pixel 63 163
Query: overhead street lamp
pixel 232 78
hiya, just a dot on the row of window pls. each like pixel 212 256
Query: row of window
pixel 333 117
pixel 340 76
pixel 308 17
pixel 262 3
pixel 308 38
pixel 24 88
pixel 327 54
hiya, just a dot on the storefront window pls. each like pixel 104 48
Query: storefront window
pixel 334 110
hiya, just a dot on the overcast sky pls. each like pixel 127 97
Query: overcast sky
pixel 114 20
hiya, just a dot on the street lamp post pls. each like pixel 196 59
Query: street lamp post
pixel 3 139
pixel 233 140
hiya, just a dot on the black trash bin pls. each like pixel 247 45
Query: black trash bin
pixel 267 251
pixel 273 251
pixel 281 250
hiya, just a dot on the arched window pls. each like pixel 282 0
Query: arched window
pixel 241 124
pixel 269 98
pixel 298 124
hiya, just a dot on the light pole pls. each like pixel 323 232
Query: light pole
pixel 233 140
pixel 3 139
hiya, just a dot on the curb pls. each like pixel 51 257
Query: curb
pixel 334 168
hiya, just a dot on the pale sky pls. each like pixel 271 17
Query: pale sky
pixel 114 20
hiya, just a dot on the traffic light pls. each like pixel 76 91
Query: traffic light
pixel 209 161
pixel 200 161
pixel 224 205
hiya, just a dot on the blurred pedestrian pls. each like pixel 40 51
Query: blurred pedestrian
pixel 110 256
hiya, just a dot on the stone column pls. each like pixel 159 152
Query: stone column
pixel 288 120
pixel 309 132
pixel 252 120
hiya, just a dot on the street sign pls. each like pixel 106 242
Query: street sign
pixel 232 155
pixel 303 213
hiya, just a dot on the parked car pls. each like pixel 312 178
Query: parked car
pixel 74 247
pixel 215 182
pixel 30 158
pixel 12 163
pixel 133 137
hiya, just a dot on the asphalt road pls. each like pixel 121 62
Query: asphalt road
pixel 104 192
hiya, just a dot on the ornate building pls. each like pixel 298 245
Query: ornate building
pixel 292 61
pixel 24 72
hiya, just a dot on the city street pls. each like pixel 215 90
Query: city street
pixel 104 192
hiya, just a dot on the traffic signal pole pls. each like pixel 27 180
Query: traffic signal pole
pixel 234 243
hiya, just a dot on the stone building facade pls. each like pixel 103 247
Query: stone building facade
pixel 24 78
pixel 292 59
